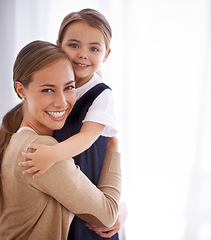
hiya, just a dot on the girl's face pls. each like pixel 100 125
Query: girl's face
pixel 49 98
pixel 86 49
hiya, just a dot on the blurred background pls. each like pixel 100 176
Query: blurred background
pixel 160 73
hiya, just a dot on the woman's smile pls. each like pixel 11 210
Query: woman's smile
pixel 57 115
pixel 50 97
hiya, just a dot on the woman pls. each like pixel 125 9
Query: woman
pixel 33 208
pixel 85 37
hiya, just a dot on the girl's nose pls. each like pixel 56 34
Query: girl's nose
pixel 83 54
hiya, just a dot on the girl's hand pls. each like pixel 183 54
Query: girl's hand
pixel 109 232
pixel 38 160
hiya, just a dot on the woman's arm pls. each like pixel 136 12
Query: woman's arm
pixel 68 185
pixel 122 213
pixel 109 232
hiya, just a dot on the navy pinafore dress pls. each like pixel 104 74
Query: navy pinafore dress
pixel 90 161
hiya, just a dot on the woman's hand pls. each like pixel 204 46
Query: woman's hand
pixel 109 232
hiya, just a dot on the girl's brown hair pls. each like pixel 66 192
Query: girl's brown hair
pixel 30 59
pixel 90 16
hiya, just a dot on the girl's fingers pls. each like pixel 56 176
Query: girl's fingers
pixel 27 155
pixel 33 145
pixel 26 164
pixel 30 154
pixel 38 174
pixel 31 170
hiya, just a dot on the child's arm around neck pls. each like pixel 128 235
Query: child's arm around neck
pixel 78 143
pixel 45 156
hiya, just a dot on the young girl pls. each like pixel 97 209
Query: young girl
pixel 85 37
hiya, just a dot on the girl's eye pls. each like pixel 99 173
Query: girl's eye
pixel 47 90
pixel 94 49
pixel 74 45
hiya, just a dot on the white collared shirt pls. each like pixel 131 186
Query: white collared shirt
pixel 102 108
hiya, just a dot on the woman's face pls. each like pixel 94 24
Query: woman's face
pixel 49 98
pixel 86 49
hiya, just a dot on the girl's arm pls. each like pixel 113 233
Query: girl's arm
pixel 45 156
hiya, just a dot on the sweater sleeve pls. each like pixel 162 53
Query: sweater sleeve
pixel 69 186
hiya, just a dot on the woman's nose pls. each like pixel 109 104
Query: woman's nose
pixel 60 100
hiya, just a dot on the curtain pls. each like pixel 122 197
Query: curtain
pixel 159 71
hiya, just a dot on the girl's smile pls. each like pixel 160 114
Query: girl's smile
pixel 86 49
pixel 80 66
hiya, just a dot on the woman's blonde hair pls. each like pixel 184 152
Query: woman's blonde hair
pixel 90 16
pixel 33 57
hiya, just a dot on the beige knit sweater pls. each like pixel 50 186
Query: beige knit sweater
pixel 38 209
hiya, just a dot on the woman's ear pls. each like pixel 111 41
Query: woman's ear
pixel 20 89
pixel 106 55
pixel 58 43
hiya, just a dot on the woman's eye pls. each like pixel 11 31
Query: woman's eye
pixel 94 49
pixel 70 87
pixel 47 90
pixel 74 45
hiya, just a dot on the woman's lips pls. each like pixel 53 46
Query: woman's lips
pixel 58 115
